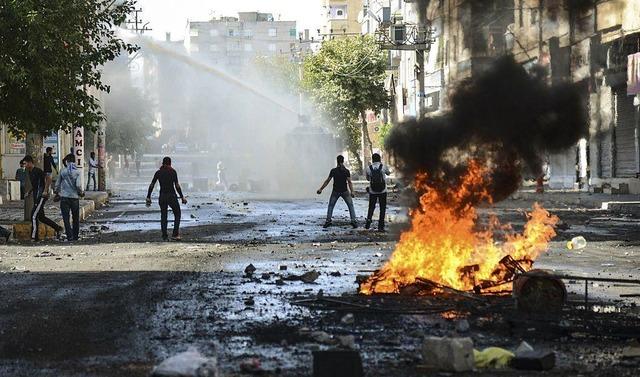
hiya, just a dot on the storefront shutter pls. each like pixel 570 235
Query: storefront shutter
pixel 625 147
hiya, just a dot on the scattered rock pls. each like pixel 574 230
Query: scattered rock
pixel 524 347
pixel 322 337
pixel 336 274
pixel 187 364
pixel 283 268
pixel 279 282
pixel 310 277
pixel 347 319
pixel 448 354
pixel 347 341
pixel 631 351
pixel 462 326
pixel 249 301
pixel 265 276
pixel 45 254
pixel 249 270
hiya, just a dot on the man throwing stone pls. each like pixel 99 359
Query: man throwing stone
pixel 168 178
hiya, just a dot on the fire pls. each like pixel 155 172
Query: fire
pixel 445 246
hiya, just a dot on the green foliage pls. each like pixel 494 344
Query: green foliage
pixel 51 53
pixel 385 129
pixel 346 78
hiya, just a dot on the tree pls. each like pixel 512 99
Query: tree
pixel 51 53
pixel 345 79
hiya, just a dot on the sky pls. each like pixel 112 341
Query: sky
pixel 172 15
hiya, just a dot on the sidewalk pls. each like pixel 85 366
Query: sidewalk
pixel 579 199
pixel 12 214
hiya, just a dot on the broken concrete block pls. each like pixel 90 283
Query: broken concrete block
pixel 448 354
pixel 534 360
pixel 187 364
pixel 337 363
pixel 250 269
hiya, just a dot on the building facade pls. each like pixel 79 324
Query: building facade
pixel 341 18
pixel 595 45
pixel 233 42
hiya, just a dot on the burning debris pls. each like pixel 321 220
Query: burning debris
pixel 499 125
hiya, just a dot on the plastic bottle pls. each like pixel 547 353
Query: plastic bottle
pixel 577 243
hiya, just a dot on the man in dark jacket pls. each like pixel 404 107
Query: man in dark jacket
pixel 40 184
pixel 49 163
pixel 168 178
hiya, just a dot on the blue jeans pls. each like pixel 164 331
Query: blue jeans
pixel 71 206
pixel 347 199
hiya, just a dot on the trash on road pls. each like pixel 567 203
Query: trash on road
pixel 534 360
pixel 493 357
pixel 577 243
pixel 190 363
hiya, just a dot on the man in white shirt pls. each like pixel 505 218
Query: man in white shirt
pixel 93 166
pixel 376 175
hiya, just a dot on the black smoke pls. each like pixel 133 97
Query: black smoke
pixel 504 118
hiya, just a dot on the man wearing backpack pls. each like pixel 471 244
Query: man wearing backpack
pixel 376 175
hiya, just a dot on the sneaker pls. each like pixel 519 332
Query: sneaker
pixel 165 238
pixel 354 225
pixel 327 224
pixel 176 238
pixel 59 235
pixel 367 225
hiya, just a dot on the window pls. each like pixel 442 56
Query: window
pixel 248 47
pixel 194 47
pixel 273 32
pixel 231 32
pixel 213 48
pixel 248 33
pixel 338 12
pixel 272 47
pixel 292 32
pixel 193 32
pixel 214 33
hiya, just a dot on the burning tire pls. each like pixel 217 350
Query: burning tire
pixel 539 294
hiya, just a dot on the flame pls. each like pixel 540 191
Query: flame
pixel 444 242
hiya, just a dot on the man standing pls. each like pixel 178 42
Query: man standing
pixel 376 175
pixel 21 175
pixel 93 166
pixel 49 162
pixel 69 187
pixel 168 178
pixel 341 179
pixel 40 184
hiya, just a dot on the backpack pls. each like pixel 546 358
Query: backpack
pixel 378 183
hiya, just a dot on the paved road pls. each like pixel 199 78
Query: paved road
pixel 120 301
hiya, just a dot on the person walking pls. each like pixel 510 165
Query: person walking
pixel 69 189
pixel 49 163
pixel 169 185
pixel 222 177
pixel 93 167
pixel 376 175
pixel 342 188
pixel 21 176
pixel 40 184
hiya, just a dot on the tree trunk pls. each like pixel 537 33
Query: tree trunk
pixel 367 144
pixel 34 144
pixel 356 154
pixel 102 157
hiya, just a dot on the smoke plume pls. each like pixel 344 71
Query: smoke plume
pixel 504 118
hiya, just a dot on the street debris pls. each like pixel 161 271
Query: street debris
pixel 251 365
pixel 347 319
pixel 448 354
pixel 534 360
pixel 462 326
pixel 337 363
pixel 190 363
pixel 493 357
pixel 249 270
pixel 577 243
